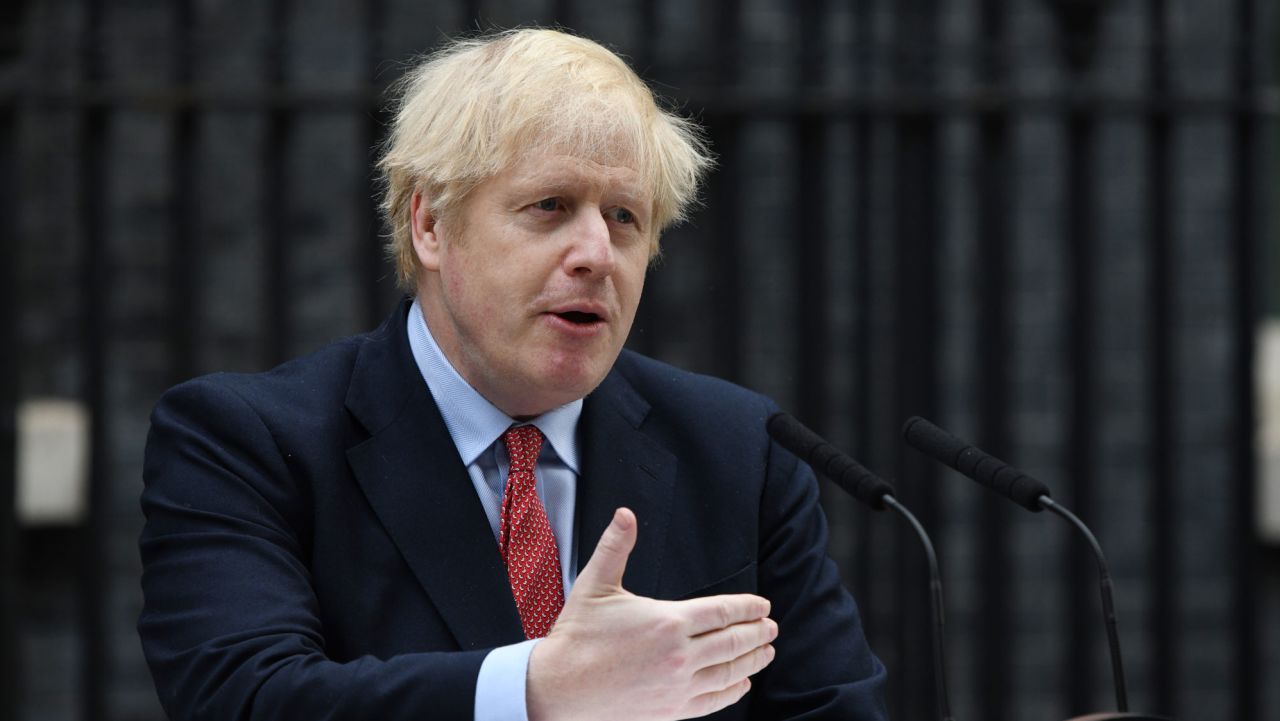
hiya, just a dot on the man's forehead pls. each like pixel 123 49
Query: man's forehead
pixel 611 173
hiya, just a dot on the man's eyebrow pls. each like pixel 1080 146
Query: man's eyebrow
pixel 633 199
pixel 545 183
pixel 552 184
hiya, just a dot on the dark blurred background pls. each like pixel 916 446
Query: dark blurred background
pixel 1045 224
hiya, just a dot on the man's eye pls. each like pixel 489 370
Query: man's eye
pixel 622 215
pixel 548 204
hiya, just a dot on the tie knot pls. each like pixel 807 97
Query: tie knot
pixel 524 443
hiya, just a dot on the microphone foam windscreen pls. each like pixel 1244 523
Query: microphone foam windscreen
pixel 974 463
pixel 828 460
pixel 934 442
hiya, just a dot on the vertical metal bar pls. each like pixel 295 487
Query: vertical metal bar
pixel 907 311
pixel 10 581
pixel 647 322
pixel 562 13
pixel 185 212
pixel 862 326
pixel 94 316
pixel 724 44
pixel 916 200
pixel 277 328
pixel 810 246
pixel 1246 149
pixel 1161 391
pixel 995 652
pixel 726 207
pixel 472 14
pixel 646 55
pixel 11 676
pixel 95 270
pixel 1079 22
pixel 1081 335
pixel 377 280
pixel 916 209
pixel 726 198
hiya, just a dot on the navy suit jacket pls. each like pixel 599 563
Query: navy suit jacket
pixel 314 547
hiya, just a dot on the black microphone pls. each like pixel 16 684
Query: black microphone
pixel 974 463
pixel 876 492
pixel 825 458
pixel 1031 494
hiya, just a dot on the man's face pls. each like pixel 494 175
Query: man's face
pixel 532 284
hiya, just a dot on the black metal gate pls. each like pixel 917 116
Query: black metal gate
pixel 1039 223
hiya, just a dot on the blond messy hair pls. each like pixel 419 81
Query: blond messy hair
pixel 477 106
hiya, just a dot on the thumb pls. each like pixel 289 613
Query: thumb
pixel 609 561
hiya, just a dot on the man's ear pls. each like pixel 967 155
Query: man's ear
pixel 426 242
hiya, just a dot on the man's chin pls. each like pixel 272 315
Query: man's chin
pixel 563 384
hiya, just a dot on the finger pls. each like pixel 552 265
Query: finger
pixel 609 561
pixel 726 644
pixel 730 673
pixel 713 612
pixel 713 701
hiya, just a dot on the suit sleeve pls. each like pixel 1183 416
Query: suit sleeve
pixel 230 624
pixel 824 668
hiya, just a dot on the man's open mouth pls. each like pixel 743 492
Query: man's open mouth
pixel 579 317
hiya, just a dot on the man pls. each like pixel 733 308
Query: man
pixel 485 508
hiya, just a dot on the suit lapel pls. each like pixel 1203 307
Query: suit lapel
pixel 622 466
pixel 417 485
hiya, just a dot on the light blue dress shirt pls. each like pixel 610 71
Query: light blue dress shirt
pixel 476 425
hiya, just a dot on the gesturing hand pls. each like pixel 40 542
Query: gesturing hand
pixel 613 654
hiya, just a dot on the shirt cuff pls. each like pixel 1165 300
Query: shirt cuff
pixel 500 685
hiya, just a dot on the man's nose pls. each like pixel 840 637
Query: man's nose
pixel 591 250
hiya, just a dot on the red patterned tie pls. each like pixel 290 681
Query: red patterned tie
pixel 525 538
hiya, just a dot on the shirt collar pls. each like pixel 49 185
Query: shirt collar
pixel 473 422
